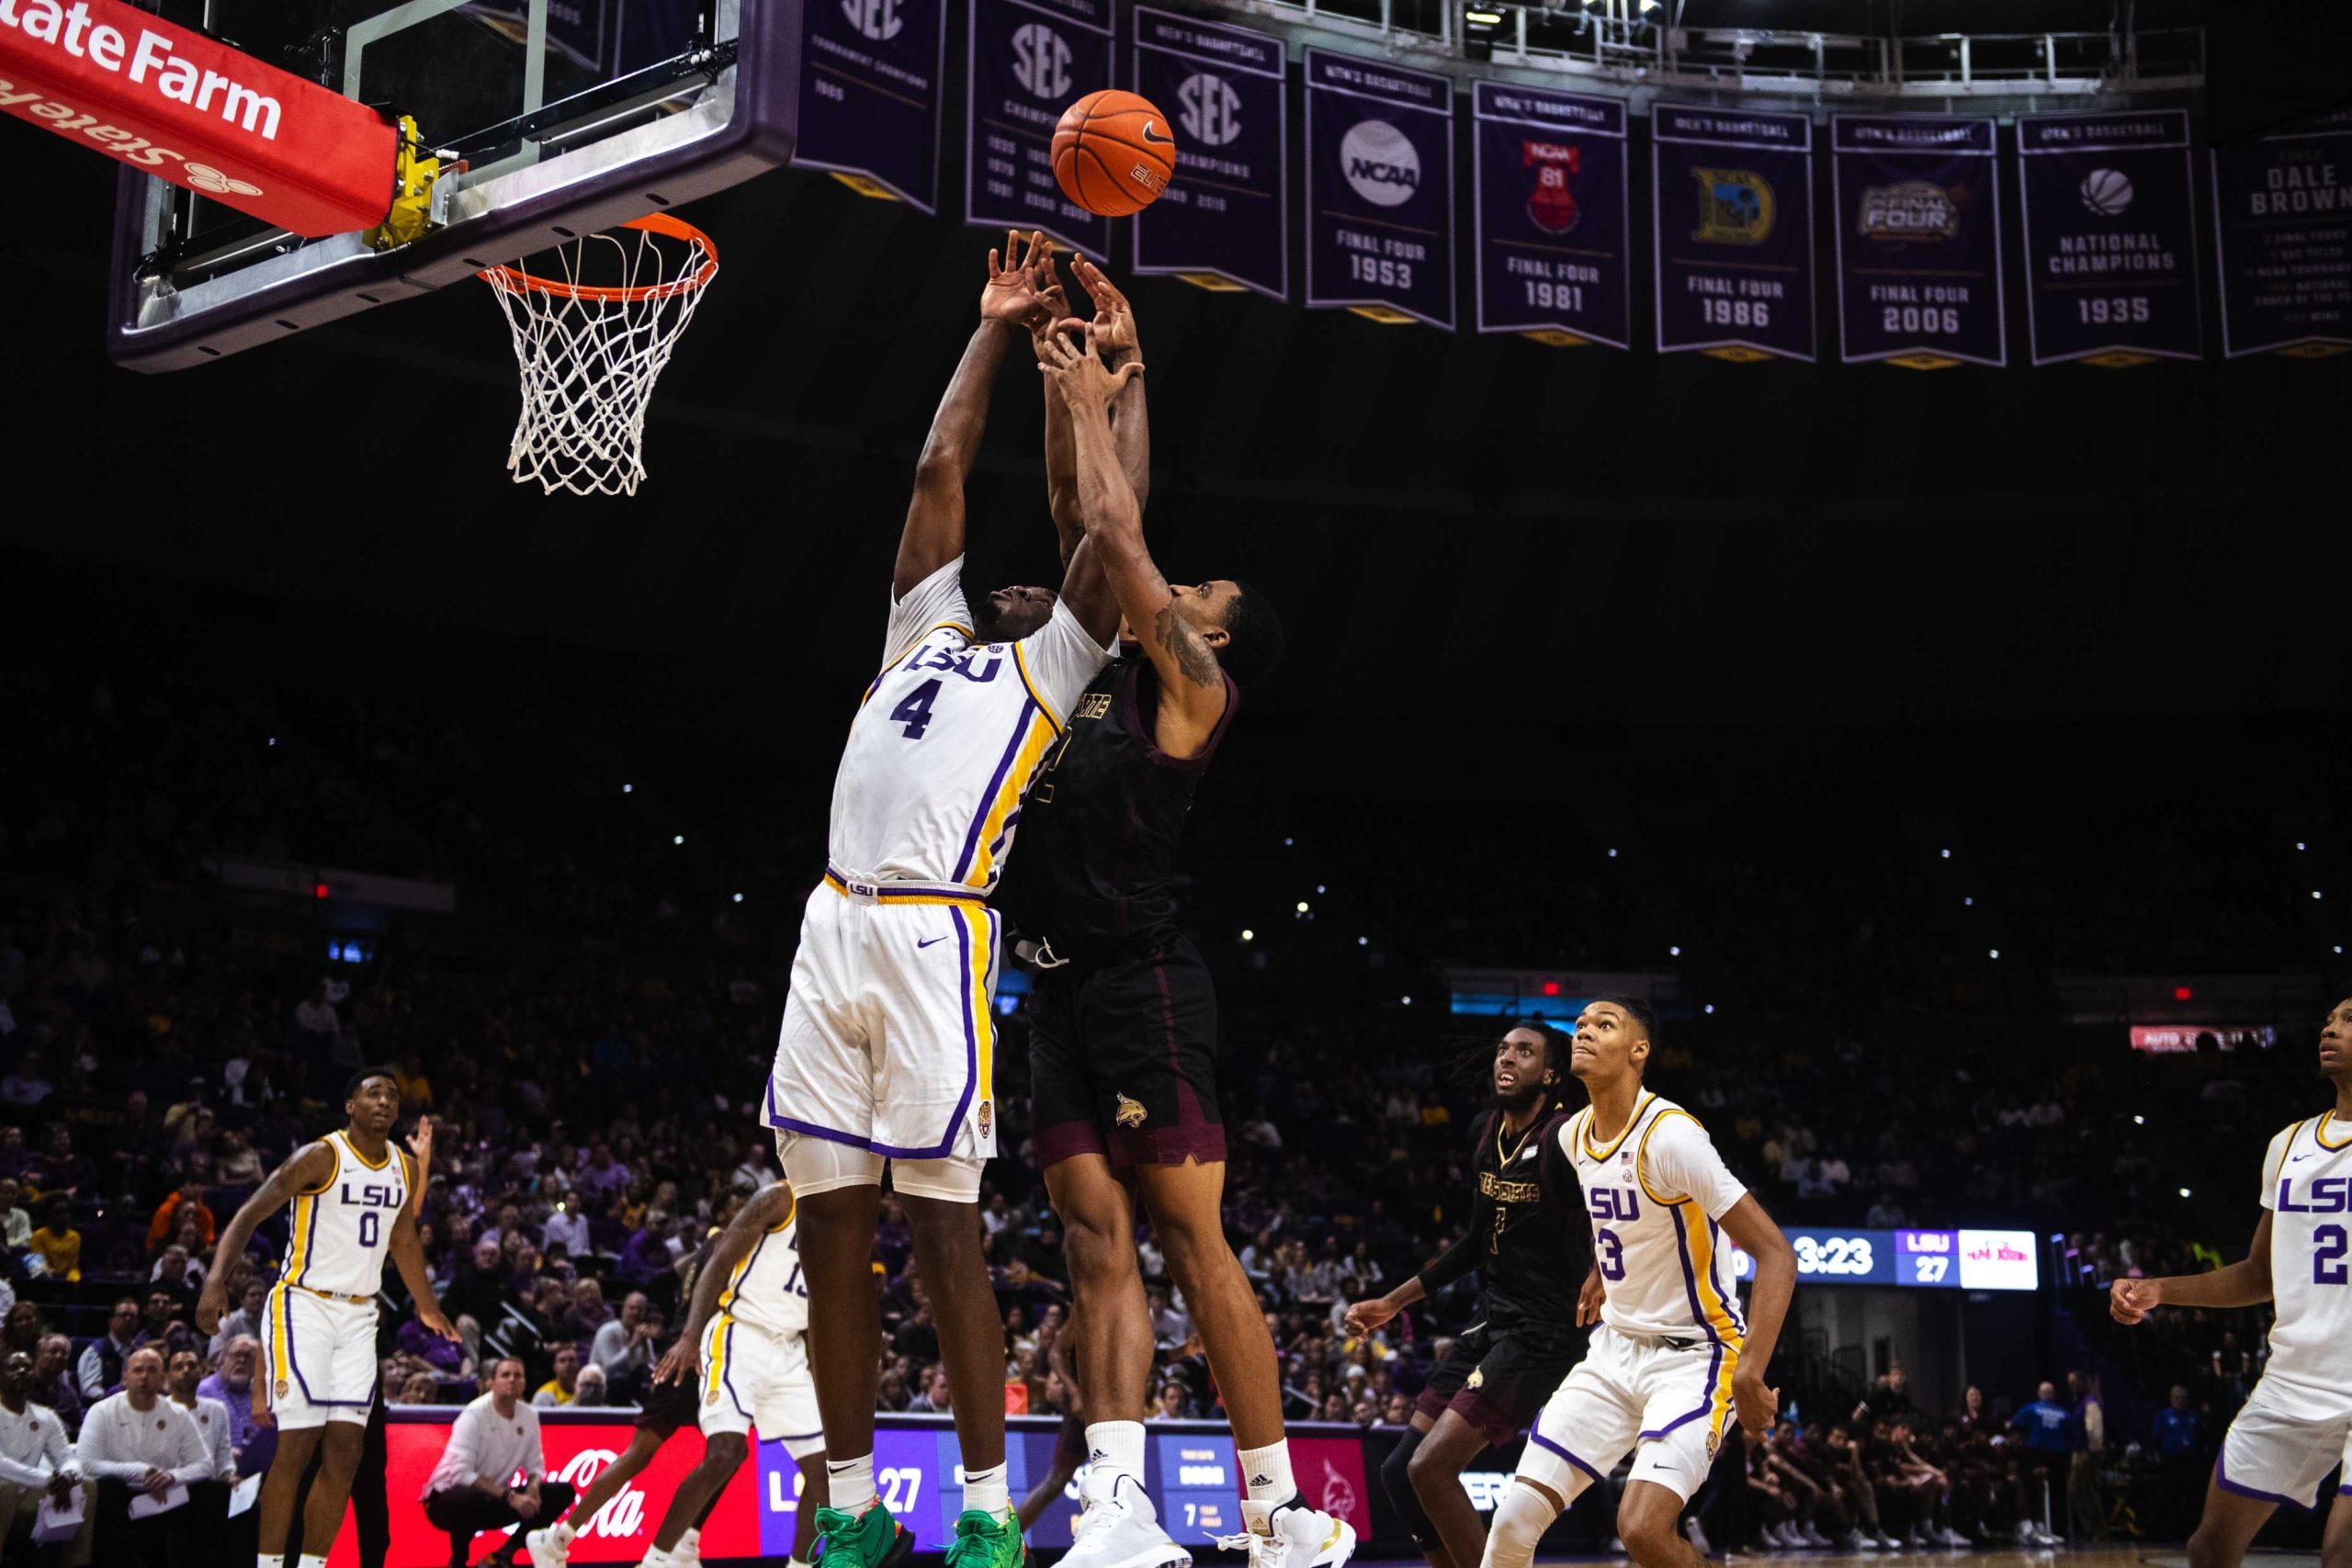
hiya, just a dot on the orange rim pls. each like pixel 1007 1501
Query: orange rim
pixel 653 223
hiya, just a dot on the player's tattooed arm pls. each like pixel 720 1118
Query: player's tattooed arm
pixel 766 1211
pixel 934 533
pixel 1767 1306
pixel 2245 1282
pixel 308 1168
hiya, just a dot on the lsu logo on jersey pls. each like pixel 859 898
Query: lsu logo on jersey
pixel 2326 1195
pixel 1736 207
pixel 1613 1203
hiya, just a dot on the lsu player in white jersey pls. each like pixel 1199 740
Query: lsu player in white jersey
pixel 354 1198
pixel 2297 1427
pixel 887 1048
pixel 1674 1355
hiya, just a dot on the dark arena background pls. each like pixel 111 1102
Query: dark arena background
pixel 1956 760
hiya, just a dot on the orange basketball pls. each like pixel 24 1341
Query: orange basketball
pixel 1114 153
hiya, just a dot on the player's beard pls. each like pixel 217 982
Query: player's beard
pixel 1524 1103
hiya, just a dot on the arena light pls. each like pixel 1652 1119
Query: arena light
pixel 1674 953
pixel 626 788
pixel 1483 18
pixel 1947 855
pixel 1302 905
pixel 1612 855
pixel 1993 952
pixel 1408 1001
pixel 1318 888
pixel 2299 846
pixel 1968 901
pixel 739 897
pixel 1708 1009
pixel 677 838
pixel 2184 1191
pixel 1248 935
pixel 1366 941
pixel 2183 994
pixel 2139 1120
pixel 1551 988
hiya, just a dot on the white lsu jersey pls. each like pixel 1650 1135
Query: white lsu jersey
pixel 946 740
pixel 767 1290
pixel 1655 1193
pixel 2307 1186
pixel 343 1230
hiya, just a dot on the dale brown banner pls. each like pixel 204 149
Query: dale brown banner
pixel 198 113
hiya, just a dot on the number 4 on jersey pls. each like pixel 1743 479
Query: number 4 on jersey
pixel 914 712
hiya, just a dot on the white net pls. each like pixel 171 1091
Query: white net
pixel 591 337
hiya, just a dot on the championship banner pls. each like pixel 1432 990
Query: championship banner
pixel 1547 182
pixel 870 75
pixel 1731 205
pixel 1379 189
pixel 1224 218
pixel 1028 62
pixel 2110 238
pixel 1918 201
pixel 2283 228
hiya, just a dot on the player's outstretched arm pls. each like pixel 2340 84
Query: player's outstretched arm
pixel 934 533
pixel 1061 454
pixel 407 1251
pixel 767 1210
pixel 1767 1308
pixel 1117 339
pixel 310 1167
pixel 2245 1282
pixel 1192 686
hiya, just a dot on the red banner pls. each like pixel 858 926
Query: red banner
pixel 198 113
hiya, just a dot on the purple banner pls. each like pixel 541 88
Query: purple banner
pixel 1227 213
pixel 870 74
pixel 1379 189
pixel 1028 62
pixel 1548 185
pixel 2111 237
pixel 2282 226
pixel 1731 199
pixel 1918 201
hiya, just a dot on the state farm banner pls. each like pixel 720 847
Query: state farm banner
pixel 197 112
pixel 2282 227
pixel 1028 62
pixel 1547 185
pixel 1731 207
pixel 1379 189
pixel 1919 205
pixel 2111 237
pixel 870 75
pixel 1228 210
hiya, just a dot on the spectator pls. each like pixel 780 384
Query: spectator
pixel 587 1314
pixel 186 1201
pixel 100 1368
pixel 138 1441
pixel 238 1164
pixel 16 1224
pixel 58 1244
pixel 208 1498
pixel 54 1383
pixel 935 1399
pixel 563 1388
pixel 245 1321
pixel 26 1086
pixel 419 1388
pixel 2087 1439
pixel 2180 1462
pixel 591 1392
pixel 567 1227
pixel 2048 1452
pixel 472 1489
pixel 233 1386
pixel 623 1348
pixel 35 1460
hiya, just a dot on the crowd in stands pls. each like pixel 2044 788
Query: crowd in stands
pixel 593 1033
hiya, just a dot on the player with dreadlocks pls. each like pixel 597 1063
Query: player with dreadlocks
pixel 1527 1243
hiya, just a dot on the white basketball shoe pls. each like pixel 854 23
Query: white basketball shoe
pixel 1118 1527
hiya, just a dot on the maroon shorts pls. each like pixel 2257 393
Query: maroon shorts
pixel 1123 1060
pixel 1499 1379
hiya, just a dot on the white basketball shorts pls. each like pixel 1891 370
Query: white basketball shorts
pixel 1669 1398
pixel 888 1042
pixel 2280 1447
pixel 752 1378
pixel 322 1353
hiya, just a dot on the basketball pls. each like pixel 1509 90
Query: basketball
pixel 2107 191
pixel 1112 152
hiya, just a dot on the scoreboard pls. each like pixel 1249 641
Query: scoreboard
pixel 1934 1259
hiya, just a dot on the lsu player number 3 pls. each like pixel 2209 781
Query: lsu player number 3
pixel 1674 1355
pixel 2297 1427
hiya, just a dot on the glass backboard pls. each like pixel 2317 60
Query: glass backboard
pixel 553 117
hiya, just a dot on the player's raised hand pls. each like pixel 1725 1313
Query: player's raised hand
pixel 2131 1301
pixel 1367 1315
pixel 1114 318
pixel 1078 372
pixel 1757 1405
pixel 677 1361
pixel 420 1144
pixel 1011 293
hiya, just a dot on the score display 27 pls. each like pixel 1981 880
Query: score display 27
pixel 1932 1259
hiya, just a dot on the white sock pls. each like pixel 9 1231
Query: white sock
pixel 654 1557
pixel 984 1490
pixel 1116 1446
pixel 312 1560
pixel 563 1530
pixel 1266 1474
pixel 795 1563
pixel 850 1484
pixel 687 1542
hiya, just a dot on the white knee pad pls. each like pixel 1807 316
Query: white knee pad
pixel 1520 1523
pixel 951 1181
pixel 820 1165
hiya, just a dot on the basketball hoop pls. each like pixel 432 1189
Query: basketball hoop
pixel 590 342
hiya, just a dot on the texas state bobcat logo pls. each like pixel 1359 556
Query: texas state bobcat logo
pixel 1131 1112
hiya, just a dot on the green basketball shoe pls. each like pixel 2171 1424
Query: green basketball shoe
pixel 870 1539
pixel 985 1541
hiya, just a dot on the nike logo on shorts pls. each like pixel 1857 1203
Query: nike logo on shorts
pixel 929 940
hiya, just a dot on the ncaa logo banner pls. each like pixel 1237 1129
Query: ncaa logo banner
pixel 1918 203
pixel 1225 215
pixel 870 72
pixel 1548 180
pixel 2111 237
pixel 2283 225
pixel 1027 63
pixel 1379 189
pixel 1731 210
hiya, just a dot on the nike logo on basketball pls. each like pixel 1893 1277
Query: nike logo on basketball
pixel 1151 135
pixel 929 940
